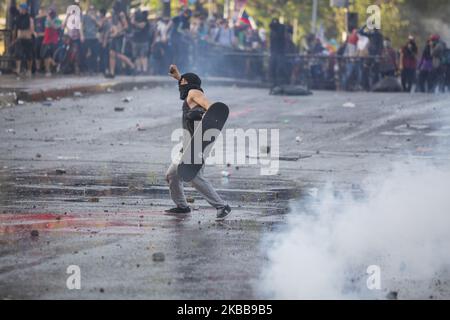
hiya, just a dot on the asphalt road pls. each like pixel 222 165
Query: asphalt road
pixel 83 184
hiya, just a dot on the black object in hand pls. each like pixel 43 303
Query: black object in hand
pixel 195 114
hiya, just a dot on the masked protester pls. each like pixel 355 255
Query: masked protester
pixel 195 104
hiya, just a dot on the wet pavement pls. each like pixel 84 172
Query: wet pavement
pixel 82 183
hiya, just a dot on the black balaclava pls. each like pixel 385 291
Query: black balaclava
pixel 193 82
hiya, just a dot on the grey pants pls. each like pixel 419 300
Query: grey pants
pixel 199 183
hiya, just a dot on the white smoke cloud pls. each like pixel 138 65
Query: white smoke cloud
pixel 401 225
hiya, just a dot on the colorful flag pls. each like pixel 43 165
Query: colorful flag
pixel 245 18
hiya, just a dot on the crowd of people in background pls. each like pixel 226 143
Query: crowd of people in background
pixel 123 41
pixel 370 57
pixel 127 41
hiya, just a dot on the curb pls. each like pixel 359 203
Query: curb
pixel 36 95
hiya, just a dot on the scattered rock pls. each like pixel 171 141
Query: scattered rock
pixel 60 171
pixel 127 99
pixel 190 199
pixel 34 233
pixel 158 257
pixel 290 90
pixel 349 105
pixel 392 295
pixel 38 155
pixel 119 109
pixel 298 139
pixel 102 290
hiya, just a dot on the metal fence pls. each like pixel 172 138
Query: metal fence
pixel 312 71
pixel 5 57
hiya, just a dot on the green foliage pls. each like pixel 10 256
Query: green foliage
pixel 398 17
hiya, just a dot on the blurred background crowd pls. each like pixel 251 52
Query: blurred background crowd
pixel 128 39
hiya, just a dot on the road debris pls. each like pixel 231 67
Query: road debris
pixel 348 105
pixel 60 171
pixel 190 199
pixel 127 99
pixel 158 257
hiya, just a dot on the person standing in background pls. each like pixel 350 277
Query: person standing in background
pixel 39 29
pixel 141 37
pixel 116 43
pixel 104 28
pixel 160 47
pixel 425 67
pixel 50 41
pixel 388 65
pixel 277 52
pixel 75 34
pixel 24 30
pixel 437 50
pixel 350 53
pixel 408 63
pixel 375 50
pixel 90 48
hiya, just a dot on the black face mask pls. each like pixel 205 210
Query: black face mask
pixel 194 82
pixel 184 89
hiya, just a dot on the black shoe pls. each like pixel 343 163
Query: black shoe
pixel 222 213
pixel 179 210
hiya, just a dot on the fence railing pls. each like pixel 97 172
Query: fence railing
pixel 313 71
pixel 5 58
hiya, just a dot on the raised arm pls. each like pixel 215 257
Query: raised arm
pixel 174 72
pixel 199 98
